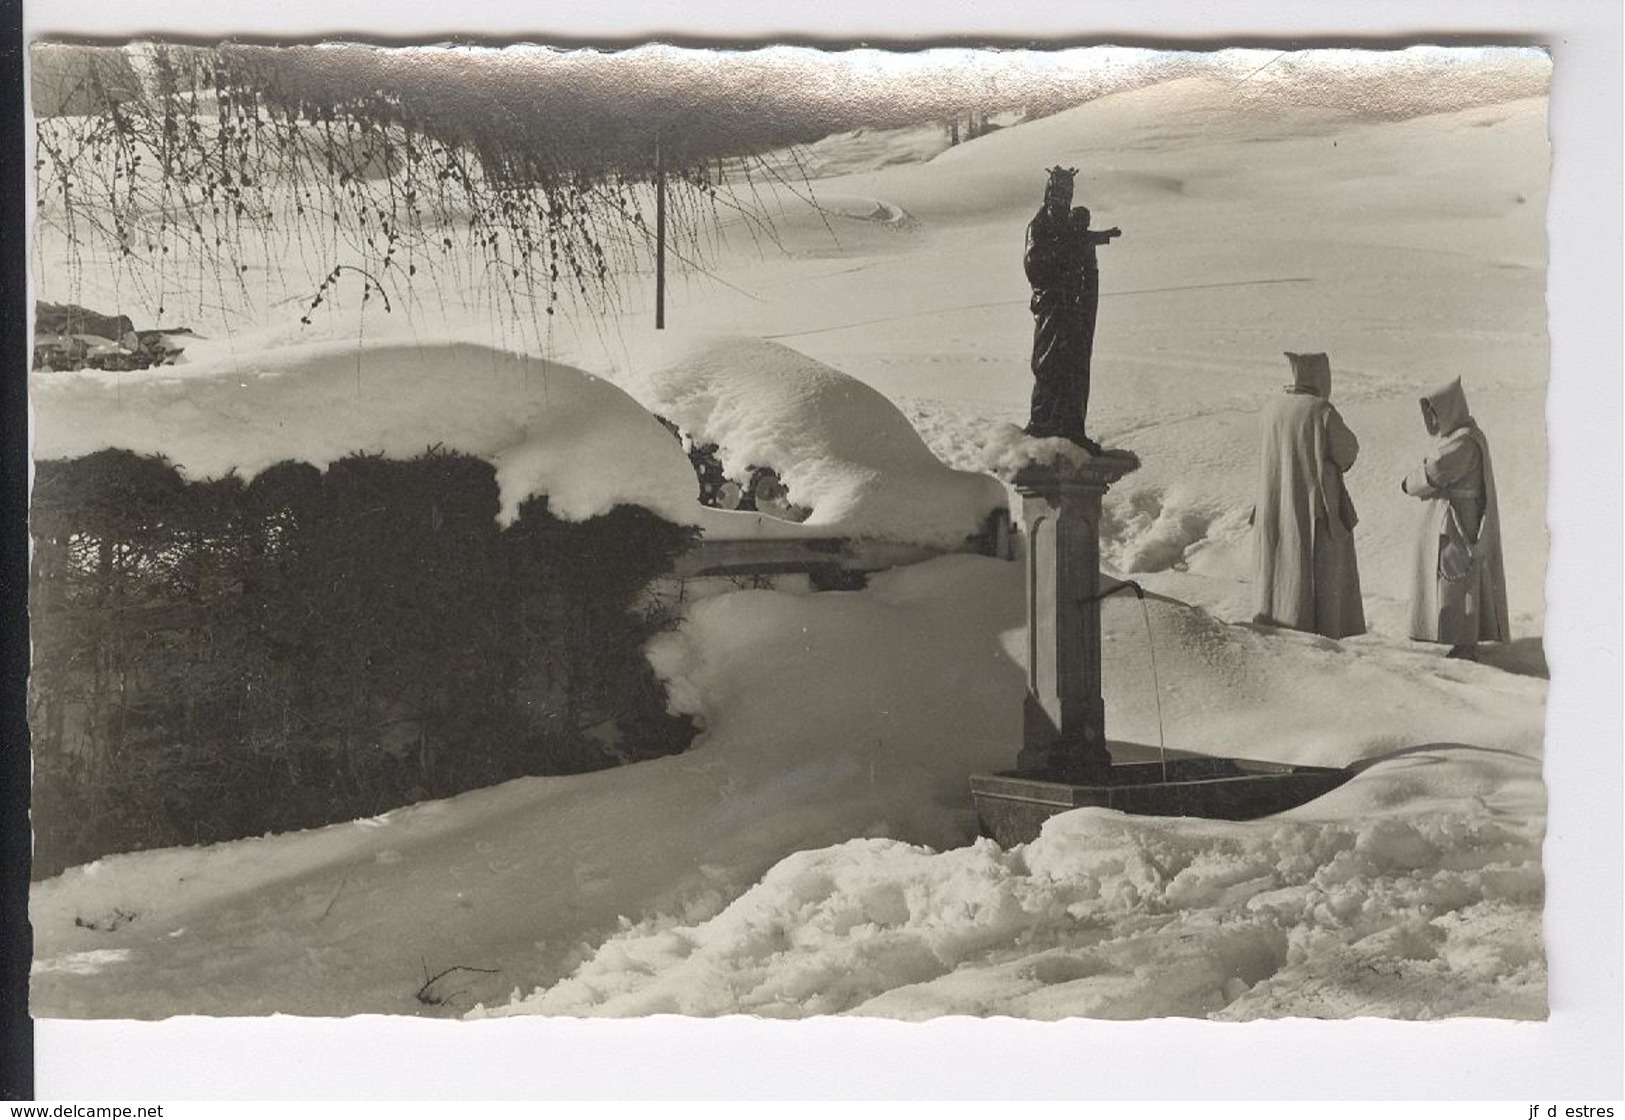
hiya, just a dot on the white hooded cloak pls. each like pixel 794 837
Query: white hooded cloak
pixel 1305 575
pixel 1458 583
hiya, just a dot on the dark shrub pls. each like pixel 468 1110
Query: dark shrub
pixel 215 660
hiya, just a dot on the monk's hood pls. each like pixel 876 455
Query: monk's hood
pixel 1449 406
pixel 1311 373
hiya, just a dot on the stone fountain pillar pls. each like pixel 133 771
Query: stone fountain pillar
pixel 1064 717
pixel 1065 762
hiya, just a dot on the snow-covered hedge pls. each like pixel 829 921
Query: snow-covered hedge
pixel 216 659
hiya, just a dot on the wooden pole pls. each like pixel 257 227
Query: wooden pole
pixel 660 239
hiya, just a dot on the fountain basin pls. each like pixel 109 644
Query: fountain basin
pixel 1012 806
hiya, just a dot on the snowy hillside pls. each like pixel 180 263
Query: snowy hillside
pixel 813 852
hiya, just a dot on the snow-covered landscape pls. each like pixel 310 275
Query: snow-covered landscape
pixel 814 852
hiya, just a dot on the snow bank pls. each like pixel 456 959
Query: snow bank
pixel 1406 914
pixel 841 447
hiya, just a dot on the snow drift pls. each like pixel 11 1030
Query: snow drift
pixel 1110 917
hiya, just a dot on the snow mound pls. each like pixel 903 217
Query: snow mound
pixel 1110 916
pixel 842 448
pixel 547 428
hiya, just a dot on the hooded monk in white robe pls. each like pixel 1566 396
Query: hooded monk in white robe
pixel 1458 587
pixel 1305 576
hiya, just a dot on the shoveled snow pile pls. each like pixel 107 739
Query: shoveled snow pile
pixel 1398 913
pixel 843 450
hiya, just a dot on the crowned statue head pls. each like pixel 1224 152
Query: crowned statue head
pixel 1058 191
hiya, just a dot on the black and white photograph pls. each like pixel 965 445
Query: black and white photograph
pixel 526 530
